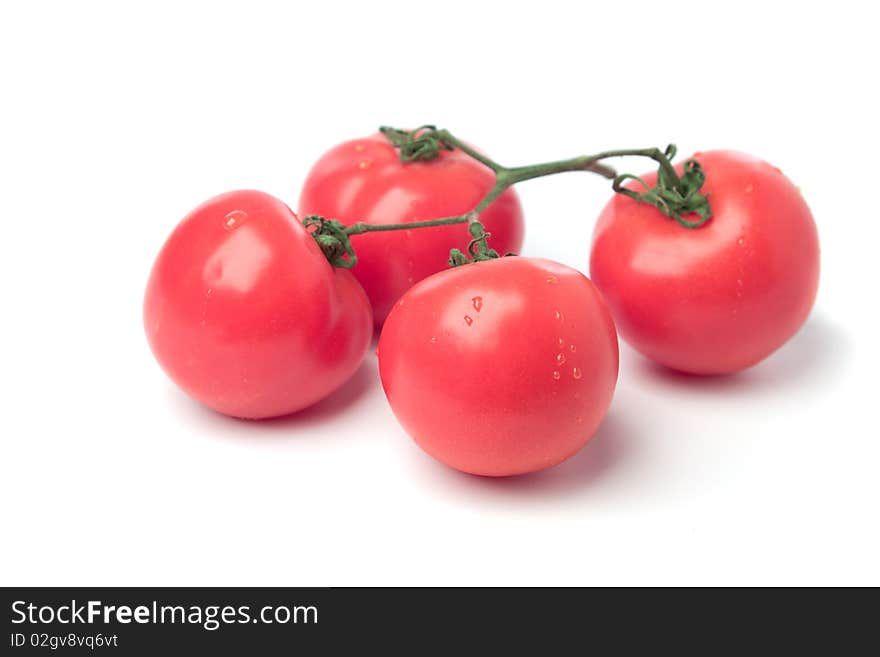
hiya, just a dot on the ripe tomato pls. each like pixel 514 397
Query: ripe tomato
pixel 245 314
pixel 364 180
pixel 718 298
pixel 500 367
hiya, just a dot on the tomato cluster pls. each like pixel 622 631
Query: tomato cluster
pixel 498 366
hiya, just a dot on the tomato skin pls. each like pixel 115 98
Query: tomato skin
pixel 500 367
pixel 245 314
pixel 364 180
pixel 719 298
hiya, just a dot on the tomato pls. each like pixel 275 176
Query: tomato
pixel 718 298
pixel 246 315
pixel 500 367
pixel 364 180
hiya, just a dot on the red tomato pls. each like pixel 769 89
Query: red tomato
pixel 718 298
pixel 245 314
pixel 500 367
pixel 364 180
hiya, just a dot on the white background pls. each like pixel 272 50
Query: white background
pixel 116 119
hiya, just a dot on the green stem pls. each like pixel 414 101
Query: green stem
pixel 585 163
pixel 455 142
pixel 674 195
pixel 500 186
pixel 506 177
pixel 362 227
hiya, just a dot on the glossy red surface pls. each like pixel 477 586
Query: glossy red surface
pixel 245 314
pixel 500 367
pixel 364 180
pixel 718 298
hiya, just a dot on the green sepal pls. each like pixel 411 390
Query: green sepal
pixel 674 196
pixel 420 145
pixel 334 241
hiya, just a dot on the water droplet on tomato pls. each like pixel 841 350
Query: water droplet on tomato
pixel 576 373
pixel 572 348
pixel 741 241
pixel 559 316
pixel 234 219
pixel 359 148
pixel 560 359
pixel 433 339
pixel 468 320
pixel 556 375
pixel 477 303
pixel 552 279
pixel 364 164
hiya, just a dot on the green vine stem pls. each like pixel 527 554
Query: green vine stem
pixel 673 195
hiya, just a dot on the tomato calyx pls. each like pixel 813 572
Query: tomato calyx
pixel 332 237
pixel 420 145
pixel 673 195
pixel 478 248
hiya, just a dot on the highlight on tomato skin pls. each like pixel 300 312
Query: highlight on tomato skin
pixel 245 314
pixel 364 180
pixel 501 367
pixel 719 298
